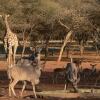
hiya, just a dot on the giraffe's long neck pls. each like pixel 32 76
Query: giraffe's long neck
pixel 7 25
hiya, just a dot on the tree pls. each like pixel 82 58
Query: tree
pixel 53 19
pixel 78 13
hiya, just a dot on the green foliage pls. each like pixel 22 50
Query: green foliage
pixel 44 14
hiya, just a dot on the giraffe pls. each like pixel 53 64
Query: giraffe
pixel 10 43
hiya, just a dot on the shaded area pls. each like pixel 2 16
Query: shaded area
pixel 48 77
pixel 3 75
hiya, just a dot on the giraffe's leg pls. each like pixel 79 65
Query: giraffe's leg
pixel 5 43
pixel 14 54
pixel 10 56
pixel 5 46
pixel 23 88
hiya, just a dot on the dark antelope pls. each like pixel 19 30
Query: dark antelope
pixel 58 72
pixel 87 73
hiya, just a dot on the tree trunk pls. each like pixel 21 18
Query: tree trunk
pixel 97 50
pixel 24 46
pixel 25 40
pixel 67 53
pixel 46 48
pixel 64 44
pixel 81 49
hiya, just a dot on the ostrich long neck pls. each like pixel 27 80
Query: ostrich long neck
pixel 7 24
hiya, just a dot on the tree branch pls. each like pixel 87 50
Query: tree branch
pixel 62 24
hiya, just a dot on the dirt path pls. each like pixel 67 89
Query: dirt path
pixel 51 65
pixel 28 94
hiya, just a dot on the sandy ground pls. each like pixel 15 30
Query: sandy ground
pixel 28 94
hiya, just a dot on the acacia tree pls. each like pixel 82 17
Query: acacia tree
pixel 73 16
pixel 47 14
pixel 78 12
